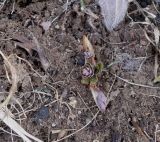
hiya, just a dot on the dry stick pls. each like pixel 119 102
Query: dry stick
pixel 155 7
pixel 78 129
pixel 8 132
pixel 2 4
pixel 86 105
pixel 29 65
pixel 156 65
pixel 150 95
pixel 111 86
pixel 14 80
pixel 155 133
pixel 136 84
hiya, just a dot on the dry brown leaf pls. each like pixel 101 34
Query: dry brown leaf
pixel 88 48
pixel 25 43
pixel 29 46
pixel 87 45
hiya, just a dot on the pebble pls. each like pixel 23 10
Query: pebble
pixel 57 27
pixel 79 112
pixel 79 59
pixel 41 114
pixel 54 124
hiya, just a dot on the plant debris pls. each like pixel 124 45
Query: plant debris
pixel 30 46
pixel 113 12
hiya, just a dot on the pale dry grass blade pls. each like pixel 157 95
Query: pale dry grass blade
pixel 5 113
pixel 10 122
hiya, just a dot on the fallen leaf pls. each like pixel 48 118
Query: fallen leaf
pixel 29 46
pixel 113 12
pixel 88 46
pixel 25 43
pixel 99 98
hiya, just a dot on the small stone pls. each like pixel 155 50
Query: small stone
pixel 79 112
pixel 54 124
pixel 79 59
pixel 41 114
pixel 57 27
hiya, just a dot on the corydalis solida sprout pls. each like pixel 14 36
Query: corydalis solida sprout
pixel 90 73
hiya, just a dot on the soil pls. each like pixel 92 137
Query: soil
pixel 125 52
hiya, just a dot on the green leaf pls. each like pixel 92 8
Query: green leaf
pixel 157 79
pixel 93 80
pixel 99 67
pixel 85 81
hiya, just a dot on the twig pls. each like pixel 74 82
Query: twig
pixel 156 65
pixel 2 4
pixel 29 66
pixel 78 129
pixel 111 86
pixel 86 105
pixel 14 80
pixel 136 84
pixel 13 8
pixel 8 132
pixel 155 7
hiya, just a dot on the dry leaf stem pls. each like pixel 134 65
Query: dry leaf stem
pixel 14 79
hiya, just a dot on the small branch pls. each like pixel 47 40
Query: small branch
pixel 14 80
pixel 136 84
pixel 78 129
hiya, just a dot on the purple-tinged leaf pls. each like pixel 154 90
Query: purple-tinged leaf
pixel 88 54
pixel 87 71
pixel 99 98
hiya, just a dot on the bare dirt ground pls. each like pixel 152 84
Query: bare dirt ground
pixel 55 102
